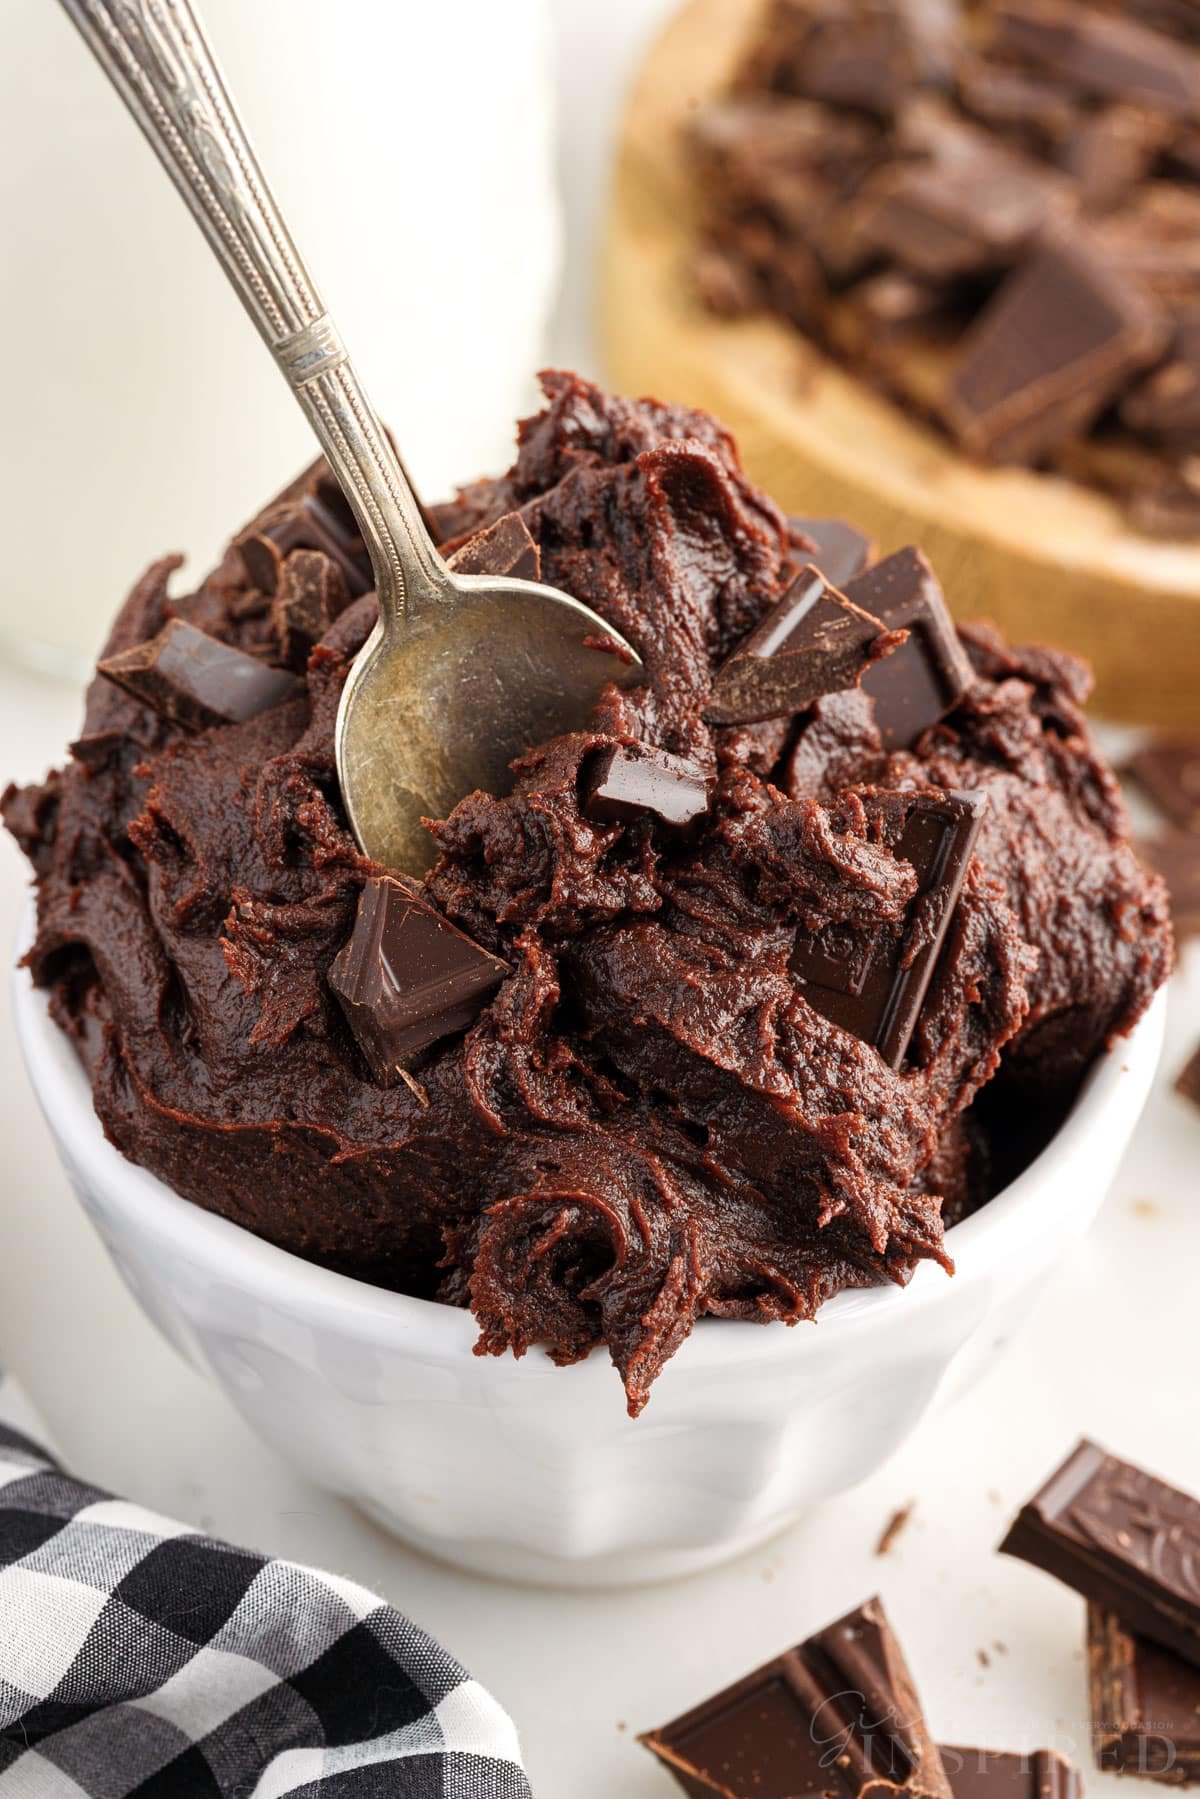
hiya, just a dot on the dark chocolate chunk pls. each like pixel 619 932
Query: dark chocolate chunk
pixel 1124 1539
pixel 1109 153
pixel 1187 1081
pixel 195 680
pixel 841 550
pixel 1015 99
pixel 504 548
pixel 836 1717
pixel 928 675
pixel 1145 1704
pixel 1047 353
pixel 312 592
pixel 1176 857
pixel 407 977
pixel 1101 54
pixel 632 781
pixel 1168 772
pixel 999 1774
pixel 811 642
pixel 875 983
pixel 948 219
pixel 304 522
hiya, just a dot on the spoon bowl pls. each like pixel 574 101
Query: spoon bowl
pixel 464 672
pixel 443 699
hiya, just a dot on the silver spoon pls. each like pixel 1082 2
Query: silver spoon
pixel 463 672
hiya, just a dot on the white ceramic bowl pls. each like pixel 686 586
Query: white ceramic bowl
pixel 532 1472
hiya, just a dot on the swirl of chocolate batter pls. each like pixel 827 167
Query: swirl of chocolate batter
pixel 647 1123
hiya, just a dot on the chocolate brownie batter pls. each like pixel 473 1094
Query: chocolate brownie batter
pixel 646 1122
pixel 990 209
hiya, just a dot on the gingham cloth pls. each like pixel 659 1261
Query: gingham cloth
pixel 141 1658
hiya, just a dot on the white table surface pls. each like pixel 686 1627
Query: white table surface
pixel 1112 1351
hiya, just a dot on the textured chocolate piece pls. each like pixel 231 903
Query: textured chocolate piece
pixel 304 522
pixel 874 984
pixel 407 977
pixel 1124 1539
pixel 836 1716
pixel 1176 857
pixel 311 593
pixel 1145 1705
pixel 1047 354
pixel 999 1774
pixel 634 781
pixel 195 680
pixel 813 641
pixel 1168 772
pixel 946 220
pixel 505 548
pixel 927 675
pixel 841 550
pixel 1101 54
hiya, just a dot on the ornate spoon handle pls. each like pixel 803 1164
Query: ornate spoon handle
pixel 156 55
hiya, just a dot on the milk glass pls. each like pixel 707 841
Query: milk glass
pixel 142 414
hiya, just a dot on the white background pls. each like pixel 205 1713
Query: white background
pixel 1112 1351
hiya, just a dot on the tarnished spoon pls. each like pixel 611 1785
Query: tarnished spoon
pixel 463 672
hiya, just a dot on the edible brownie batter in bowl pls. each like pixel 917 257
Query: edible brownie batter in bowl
pixel 935 265
pixel 743 998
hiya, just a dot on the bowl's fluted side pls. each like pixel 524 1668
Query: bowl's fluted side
pixel 534 1472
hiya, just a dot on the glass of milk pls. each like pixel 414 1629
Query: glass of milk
pixel 142 413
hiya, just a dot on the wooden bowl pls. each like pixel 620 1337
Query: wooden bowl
pixel 1044 557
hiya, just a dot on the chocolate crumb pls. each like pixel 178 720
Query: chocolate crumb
pixel 895 1525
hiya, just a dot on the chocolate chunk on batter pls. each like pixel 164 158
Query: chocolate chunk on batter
pixel 840 550
pixel 631 781
pixel 929 672
pixel 407 977
pixel 195 680
pixel 306 522
pixel 812 641
pixel 838 1715
pixel 505 548
pixel 311 593
pixel 873 982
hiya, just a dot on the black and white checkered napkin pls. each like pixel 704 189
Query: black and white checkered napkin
pixel 138 1657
